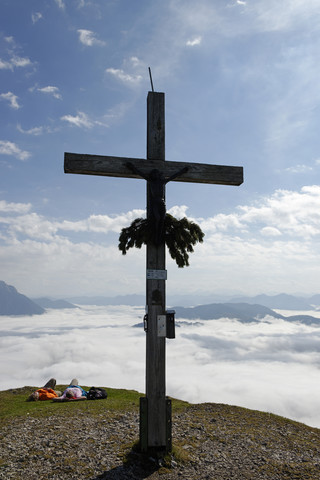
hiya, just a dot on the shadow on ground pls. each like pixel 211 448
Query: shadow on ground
pixel 136 466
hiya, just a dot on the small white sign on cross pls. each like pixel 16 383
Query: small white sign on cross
pixel 156 274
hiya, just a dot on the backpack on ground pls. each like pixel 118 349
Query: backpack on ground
pixel 95 393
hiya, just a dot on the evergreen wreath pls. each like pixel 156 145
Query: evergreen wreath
pixel 179 235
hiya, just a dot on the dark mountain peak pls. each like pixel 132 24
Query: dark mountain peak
pixel 4 287
pixel 14 303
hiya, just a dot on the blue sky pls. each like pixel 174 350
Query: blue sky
pixel 241 83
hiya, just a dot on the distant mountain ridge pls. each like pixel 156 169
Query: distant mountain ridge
pixel 281 301
pixel 241 311
pixel 14 303
pixel 245 309
pixel 244 312
pixel 55 304
pixel 134 300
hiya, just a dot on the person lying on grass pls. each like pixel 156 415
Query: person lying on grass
pixel 47 392
pixel 73 392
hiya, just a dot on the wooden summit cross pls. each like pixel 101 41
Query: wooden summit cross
pixel 155 408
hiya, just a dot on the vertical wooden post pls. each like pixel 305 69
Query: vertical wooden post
pixel 155 294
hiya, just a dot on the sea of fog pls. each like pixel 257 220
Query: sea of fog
pixel 272 365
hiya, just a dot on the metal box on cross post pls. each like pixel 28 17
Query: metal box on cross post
pixel 170 324
pixel 166 325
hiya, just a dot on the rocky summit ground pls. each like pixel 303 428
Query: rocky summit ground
pixel 211 441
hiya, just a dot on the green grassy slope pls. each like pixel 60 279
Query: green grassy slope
pixel 13 403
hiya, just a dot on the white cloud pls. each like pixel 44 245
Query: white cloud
pixel 195 41
pixel 293 213
pixel 36 227
pixel 178 211
pixel 131 73
pixel 60 4
pixel 10 207
pixel 300 168
pixel 270 232
pixel 68 260
pixel 101 223
pixel 9 39
pixel 81 120
pixel 284 16
pixel 12 99
pixel 222 222
pixel 88 38
pixel 5 65
pixel 270 246
pixel 32 131
pixel 54 91
pixel 36 17
pixel 20 61
pixel 14 62
pixel 10 148
pixel 287 212
pixel 271 366
pixel 117 112
pixel 32 226
pixel 33 241
pixel 128 78
pixel 136 62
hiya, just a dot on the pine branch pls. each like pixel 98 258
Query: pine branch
pixel 180 236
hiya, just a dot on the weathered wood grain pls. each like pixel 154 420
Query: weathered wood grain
pixel 155 289
pixel 109 166
pixel 155 126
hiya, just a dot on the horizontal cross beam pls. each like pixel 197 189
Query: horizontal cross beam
pixel 116 167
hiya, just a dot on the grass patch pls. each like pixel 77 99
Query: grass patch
pixel 13 404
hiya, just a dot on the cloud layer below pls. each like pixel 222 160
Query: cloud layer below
pixel 271 366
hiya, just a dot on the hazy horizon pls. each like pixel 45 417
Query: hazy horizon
pixel 217 296
pixel 272 365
